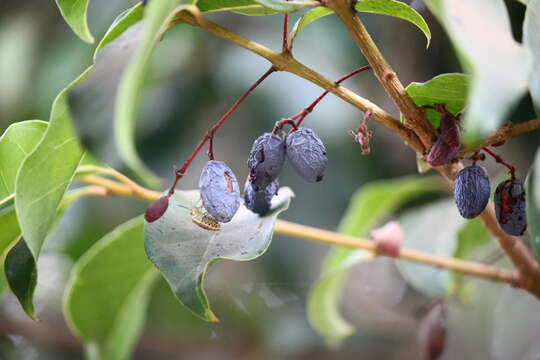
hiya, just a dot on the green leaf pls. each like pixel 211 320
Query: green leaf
pixel 183 251
pixel 120 25
pixel 369 206
pixel 16 143
pixel 74 12
pixel 434 229
pixel 306 19
pixel 287 6
pixel 46 173
pixel 383 7
pixel 531 40
pixel 498 66
pixel 448 89
pixel 532 184
pixel 10 230
pixel 108 291
pixel 158 14
pixel 20 262
pixel 396 9
pixel 245 7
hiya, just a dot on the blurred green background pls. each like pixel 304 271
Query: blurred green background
pixel 262 304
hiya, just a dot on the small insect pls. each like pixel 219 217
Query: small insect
pixel 204 219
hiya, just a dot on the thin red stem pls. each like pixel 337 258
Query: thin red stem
pixel 210 134
pixel 500 160
pixel 303 113
pixel 279 125
pixel 285 45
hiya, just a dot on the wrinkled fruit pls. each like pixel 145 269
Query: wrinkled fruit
pixel 471 191
pixel 259 200
pixel 220 193
pixel 441 153
pixel 266 159
pixel 156 209
pixel 510 207
pixel 307 154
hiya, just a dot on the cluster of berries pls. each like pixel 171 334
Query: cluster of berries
pixel 471 193
pixel 220 193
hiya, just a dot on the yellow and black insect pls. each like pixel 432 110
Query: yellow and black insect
pixel 204 219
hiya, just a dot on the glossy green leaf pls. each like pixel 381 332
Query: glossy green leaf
pixel 448 89
pixel 531 40
pixel 533 205
pixel 183 251
pixel 157 16
pixel 74 12
pixel 46 173
pixel 306 19
pixel 16 143
pixel 498 66
pixel 245 7
pixel 396 9
pixel 433 229
pixel 108 291
pixel 369 206
pixel 287 6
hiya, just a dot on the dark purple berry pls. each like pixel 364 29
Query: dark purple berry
pixel 441 153
pixel 156 209
pixel 449 130
pixel 259 200
pixel 266 159
pixel 510 207
pixel 471 191
pixel 220 193
pixel 307 154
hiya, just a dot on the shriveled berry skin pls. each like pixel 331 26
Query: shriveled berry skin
pixel 441 153
pixel 471 191
pixel 219 189
pixel 259 200
pixel 307 154
pixel 156 209
pixel 510 207
pixel 266 159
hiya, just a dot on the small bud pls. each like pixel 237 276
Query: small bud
pixel 441 153
pixel 156 209
pixel 432 333
pixel 388 239
pixel 449 130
